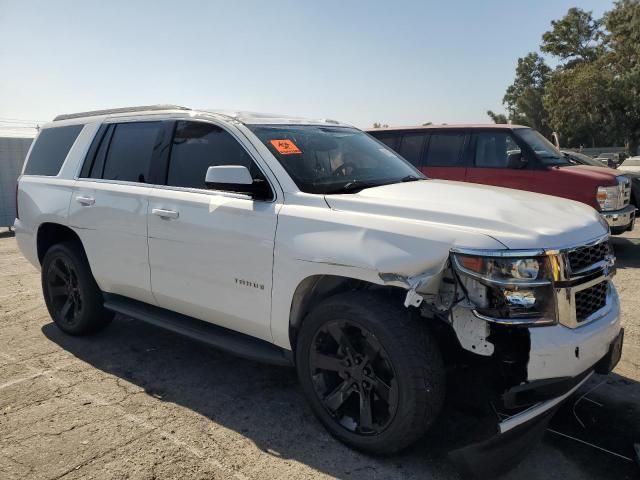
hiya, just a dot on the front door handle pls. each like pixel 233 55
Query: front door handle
pixel 85 200
pixel 161 212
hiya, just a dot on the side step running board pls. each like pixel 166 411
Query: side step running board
pixel 233 342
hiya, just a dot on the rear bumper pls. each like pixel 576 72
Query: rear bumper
pixel 620 220
pixel 26 242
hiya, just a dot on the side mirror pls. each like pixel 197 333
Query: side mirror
pixel 236 178
pixel 516 160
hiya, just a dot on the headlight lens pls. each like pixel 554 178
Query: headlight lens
pixel 509 289
pixel 608 197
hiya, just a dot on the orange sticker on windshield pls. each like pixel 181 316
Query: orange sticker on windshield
pixel 285 147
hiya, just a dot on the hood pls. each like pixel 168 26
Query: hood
pixel 517 219
pixel 630 171
pixel 602 175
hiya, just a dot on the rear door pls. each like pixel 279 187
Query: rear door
pixel 444 155
pixel 109 203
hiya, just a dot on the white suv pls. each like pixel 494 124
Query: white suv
pixel 309 243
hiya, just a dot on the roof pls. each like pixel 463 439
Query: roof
pixel 240 116
pixel 497 126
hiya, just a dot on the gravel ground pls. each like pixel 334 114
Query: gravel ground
pixel 137 402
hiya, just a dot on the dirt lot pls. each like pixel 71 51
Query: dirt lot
pixel 136 402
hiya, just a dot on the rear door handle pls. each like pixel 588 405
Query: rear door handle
pixel 161 212
pixel 85 200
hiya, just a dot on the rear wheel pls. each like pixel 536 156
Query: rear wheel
pixel 373 375
pixel 70 292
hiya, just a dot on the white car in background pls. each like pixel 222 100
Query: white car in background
pixel 631 164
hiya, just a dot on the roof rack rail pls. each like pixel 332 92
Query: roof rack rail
pixel 110 111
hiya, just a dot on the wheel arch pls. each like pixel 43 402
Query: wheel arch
pixel 314 289
pixel 50 234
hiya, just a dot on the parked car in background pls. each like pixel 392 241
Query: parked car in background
pixel 308 243
pixel 630 165
pixel 633 175
pixel 514 157
pixel 611 160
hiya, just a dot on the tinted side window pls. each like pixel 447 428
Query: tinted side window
pixel 445 149
pixel 391 140
pixel 493 149
pixel 198 146
pixel 51 149
pixel 411 147
pixel 130 151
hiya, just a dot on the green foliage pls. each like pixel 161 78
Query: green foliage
pixel 523 98
pixel 497 117
pixel 574 38
pixel 593 96
pixel 379 125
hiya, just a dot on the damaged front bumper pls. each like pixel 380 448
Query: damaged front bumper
pixel 559 360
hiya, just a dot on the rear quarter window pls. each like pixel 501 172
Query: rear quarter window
pixel 51 149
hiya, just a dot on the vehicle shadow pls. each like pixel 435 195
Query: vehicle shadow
pixel 627 251
pixel 264 404
pixel 261 402
pixel 7 233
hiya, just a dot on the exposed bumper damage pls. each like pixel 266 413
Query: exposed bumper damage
pixel 523 371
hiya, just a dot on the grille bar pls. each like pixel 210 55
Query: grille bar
pixel 590 300
pixel 582 258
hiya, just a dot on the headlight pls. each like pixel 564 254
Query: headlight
pixel 608 197
pixel 511 290
pixel 613 197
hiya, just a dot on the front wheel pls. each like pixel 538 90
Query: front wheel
pixel 373 375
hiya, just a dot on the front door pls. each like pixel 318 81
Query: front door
pixel 492 150
pixel 211 252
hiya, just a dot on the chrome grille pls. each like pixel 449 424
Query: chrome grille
pixel 626 191
pixel 582 258
pixel 590 300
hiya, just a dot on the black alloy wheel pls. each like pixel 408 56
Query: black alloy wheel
pixel 73 298
pixel 63 291
pixel 372 372
pixel 353 377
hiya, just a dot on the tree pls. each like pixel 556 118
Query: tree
pixel 497 117
pixel 523 98
pixel 575 38
pixel 379 125
pixel 622 58
pixel 580 102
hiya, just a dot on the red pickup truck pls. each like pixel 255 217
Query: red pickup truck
pixel 512 156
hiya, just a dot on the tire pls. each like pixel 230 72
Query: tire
pixel 70 292
pixel 404 386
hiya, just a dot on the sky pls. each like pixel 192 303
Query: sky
pixel 395 62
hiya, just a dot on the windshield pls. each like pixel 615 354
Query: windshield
pixel 546 152
pixel 330 160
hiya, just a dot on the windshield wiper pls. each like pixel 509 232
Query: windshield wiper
pixel 354 186
pixel 411 178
